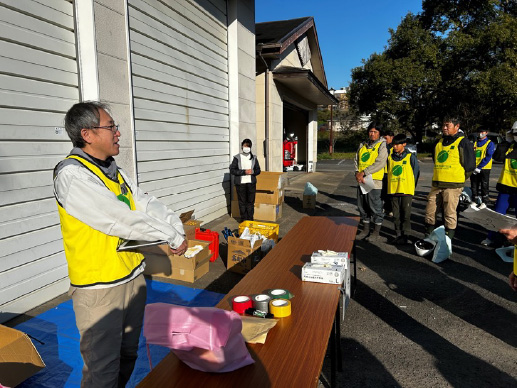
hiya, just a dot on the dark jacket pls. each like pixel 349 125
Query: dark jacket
pixel 467 159
pixel 237 171
pixel 500 156
pixel 412 160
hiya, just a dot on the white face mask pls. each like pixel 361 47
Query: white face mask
pixel 515 138
pixel 246 150
pixel 482 135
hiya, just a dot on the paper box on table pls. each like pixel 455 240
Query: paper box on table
pixel 19 359
pixel 323 273
pixel 324 257
pixel 160 261
pixel 242 257
pixel 309 201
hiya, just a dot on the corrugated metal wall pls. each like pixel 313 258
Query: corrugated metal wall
pixel 38 83
pixel 180 86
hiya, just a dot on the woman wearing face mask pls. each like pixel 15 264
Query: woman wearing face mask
pixel 506 152
pixel 245 167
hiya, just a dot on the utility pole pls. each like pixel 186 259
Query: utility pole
pixel 331 146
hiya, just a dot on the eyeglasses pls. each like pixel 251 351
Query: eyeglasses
pixel 113 128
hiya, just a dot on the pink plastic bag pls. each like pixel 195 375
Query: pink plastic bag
pixel 205 338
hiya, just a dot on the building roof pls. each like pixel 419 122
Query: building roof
pixel 278 31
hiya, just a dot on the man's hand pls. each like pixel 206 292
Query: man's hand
pixel 359 176
pixel 510 234
pixel 513 281
pixel 249 172
pixel 181 249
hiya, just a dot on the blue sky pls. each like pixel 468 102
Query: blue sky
pixel 348 30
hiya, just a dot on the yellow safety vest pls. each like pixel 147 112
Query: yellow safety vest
pixel 386 166
pixel 447 166
pixel 92 255
pixel 367 157
pixel 481 153
pixel 508 175
pixel 515 260
pixel 401 179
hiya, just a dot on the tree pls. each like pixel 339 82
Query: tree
pixel 457 57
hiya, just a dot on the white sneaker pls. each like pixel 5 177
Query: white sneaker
pixel 486 242
pixel 482 206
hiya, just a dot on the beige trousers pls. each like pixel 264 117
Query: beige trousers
pixel 443 198
pixel 109 322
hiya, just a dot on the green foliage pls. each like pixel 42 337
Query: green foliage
pixel 457 57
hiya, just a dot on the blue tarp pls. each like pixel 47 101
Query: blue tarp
pixel 56 337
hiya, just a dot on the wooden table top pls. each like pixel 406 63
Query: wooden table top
pixel 295 348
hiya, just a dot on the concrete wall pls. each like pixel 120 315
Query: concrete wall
pixel 111 37
pixel 241 73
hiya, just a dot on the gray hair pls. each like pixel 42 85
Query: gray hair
pixel 83 115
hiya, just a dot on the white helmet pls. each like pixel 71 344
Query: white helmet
pixel 424 247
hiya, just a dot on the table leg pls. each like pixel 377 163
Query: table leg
pixel 333 356
pixel 354 281
pixel 337 324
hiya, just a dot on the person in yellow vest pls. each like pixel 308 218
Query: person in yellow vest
pixel 370 160
pixel 99 205
pixel 454 161
pixel 388 136
pixel 480 178
pixel 505 152
pixel 511 235
pixel 403 172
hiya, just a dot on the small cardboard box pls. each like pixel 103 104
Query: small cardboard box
pixel 160 261
pixel 242 257
pixel 189 275
pixel 323 273
pixel 189 225
pixel 19 359
pixel 263 212
pixel 309 201
pixel 323 257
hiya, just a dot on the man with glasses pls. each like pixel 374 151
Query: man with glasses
pixel 98 206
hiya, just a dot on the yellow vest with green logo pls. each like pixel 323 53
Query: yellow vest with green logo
pixel 481 153
pixel 401 179
pixel 92 255
pixel 367 157
pixel 447 166
pixel 508 175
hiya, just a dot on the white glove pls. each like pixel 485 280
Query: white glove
pixel 477 171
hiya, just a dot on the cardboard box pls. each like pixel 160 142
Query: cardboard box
pixel 263 212
pixel 339 258
pixel 161 262
pixel 189 225
pixel 19 359
pixel 189 275
pixel 270 197
pixel 309 201
pixel 242 257
pixel 323 273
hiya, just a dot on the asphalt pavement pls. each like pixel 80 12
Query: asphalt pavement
pixel 411 323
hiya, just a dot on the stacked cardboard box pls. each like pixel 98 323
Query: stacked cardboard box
pixel 162 263
pixel 327 267
pixel 269 197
